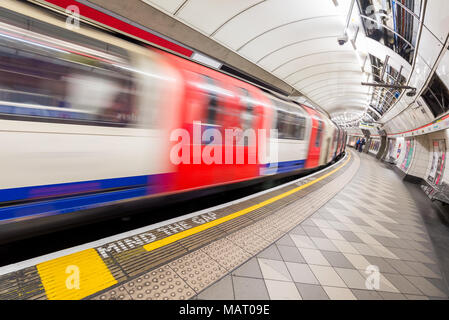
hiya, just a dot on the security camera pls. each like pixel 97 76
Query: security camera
pixel 411 93
pixel 342 39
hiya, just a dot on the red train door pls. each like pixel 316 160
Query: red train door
pixel 214 102
pixel 316 135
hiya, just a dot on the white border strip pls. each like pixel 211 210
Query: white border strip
pixel 34 261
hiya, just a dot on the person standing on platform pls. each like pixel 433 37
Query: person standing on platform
pixel 362 143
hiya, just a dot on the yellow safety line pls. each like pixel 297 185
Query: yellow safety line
pixel 194 230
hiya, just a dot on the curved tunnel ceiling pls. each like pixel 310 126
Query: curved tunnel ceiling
pixel 295 40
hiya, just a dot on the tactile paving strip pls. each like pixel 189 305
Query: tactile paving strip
pixel 226 253
pixel 138 261
pixel 198 270
pixel 118 293
pixel 160 284
pixel 248 241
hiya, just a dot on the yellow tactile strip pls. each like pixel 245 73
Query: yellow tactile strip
pixel 75 276
pixel 95 270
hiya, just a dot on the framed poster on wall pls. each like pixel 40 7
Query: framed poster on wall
pixel 391 145
pixel 409 144
pixel 438 162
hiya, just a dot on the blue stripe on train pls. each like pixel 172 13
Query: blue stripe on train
pixel 136 187
pixel 62 189
pixel 281 167
pixel 67 205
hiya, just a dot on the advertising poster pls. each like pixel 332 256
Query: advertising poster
pixel 438 162
pixel 408 154
pixel 400 148
pixel 391 145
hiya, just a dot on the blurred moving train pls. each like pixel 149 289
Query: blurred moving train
pixel 86 120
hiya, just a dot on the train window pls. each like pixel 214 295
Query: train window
pixel 43 28
pixel 290 125
pixel 247 115
pixel 319 133
pixel 215 100
pixel 46 80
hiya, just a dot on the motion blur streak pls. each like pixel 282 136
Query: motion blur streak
pixel 87 117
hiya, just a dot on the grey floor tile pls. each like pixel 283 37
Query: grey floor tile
pixel 402 254
pixel 423 270
pixel 382 264
pixel 282 290
pixel 327 276
pixel 221 290
pixel 366 294
pixel 271 252
pixel 434 267
pixel 249 269
pixel 426 286
pixel 301 273
pixel 337 259
pixel 324 244
pixel 303 241
pixel 414 297
pixel 308 223
pixel 335 205
pixel 440 284
pixel 402 284
pixel 401 267
pixel 386 241
pixel 298 230
pixel 359 221
pixel 364 249
pixel 329 216
pixel 313 231
pixel 350 236
pixel 249 289
pixel 311 292
pixel 286 241
pixel 274 270
pixel 352 277
pixel 313 256
pixel 392 296
pixel 290 254
pixel 335 293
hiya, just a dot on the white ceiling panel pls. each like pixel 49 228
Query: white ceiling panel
pixel 341 85
pixel 321 69
pixel 289 34
pixel 291 53
pixel 315 59
pixel 331 81
pixel 324 76
pixel 437 18
pixel 429 47
pixel 193 12
pixel 268 15
pixel 337 92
